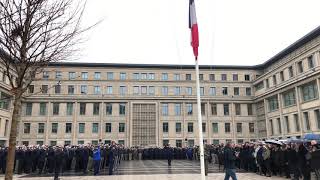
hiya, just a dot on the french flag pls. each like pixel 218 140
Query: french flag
pixel 194 28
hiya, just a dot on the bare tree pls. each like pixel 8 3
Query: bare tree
pixel 34 33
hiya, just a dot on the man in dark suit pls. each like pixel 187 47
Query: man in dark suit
pixel 58 158
pixel 229 161
pixel 169 153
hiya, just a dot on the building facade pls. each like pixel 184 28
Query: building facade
pixel 149 104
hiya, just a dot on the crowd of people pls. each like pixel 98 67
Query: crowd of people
pixel 291 160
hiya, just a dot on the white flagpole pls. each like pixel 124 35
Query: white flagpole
pixel 203 177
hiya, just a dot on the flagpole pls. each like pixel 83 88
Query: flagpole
pixel 200 122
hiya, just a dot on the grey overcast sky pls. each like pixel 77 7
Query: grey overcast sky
pixel 232 32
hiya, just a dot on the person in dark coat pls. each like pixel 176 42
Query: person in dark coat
pixel 50 160
pixel 27 161
pixel 169 153
pixel 20 158
pixel 85 158
pixel 58 158
pixel 42 159
pixel 229 161
pixel 111 159
pixel 292 156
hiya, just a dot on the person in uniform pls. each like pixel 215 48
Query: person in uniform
pixel 169 153
pixel 58 158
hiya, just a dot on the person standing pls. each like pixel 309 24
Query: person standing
pixel 96 159
pixel 58 158
pixel 229 161
pixel 169 153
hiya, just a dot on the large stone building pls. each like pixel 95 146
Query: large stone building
pixel 149 104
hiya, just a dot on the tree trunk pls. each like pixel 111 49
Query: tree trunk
pixel 13 136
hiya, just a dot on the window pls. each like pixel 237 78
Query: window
pixel 249 109
pixel 45 75
pixel 165 142
pixel 72 75
pixel 31 89
pixel 123 76
pixel 223 77
pixel 271 127
pixel 226 109
pixel 177 91
pixel 203 109
pixel 26 128
pixel 95 127
pixel 54 128
pixel 300 67
pixel 309 92
pixel 70 89
pixel 201 77
pixel 165 127
pixel 84 75
pixel 215 128
pixel 279 125
pixel 274 77
pixel 213 109
pixel 238 109
pixel 136 76
pixel 108 128
pixel 44 89
pixel 189 91
pixel 28 109
pixel 58 75
pixel 109 90
pixel 201 91
pixel 204 127
pixel 190 142
pixel 251 127
pixel 144 76
pixel 164 76
pixel 317 116
pixel 123 90
pixel 83 108
pixel 121 142
pixel 227 127
pixel 190 127
pixel 55 107
pixel 164 90
pixel 69 108
pixel 212 77
pixel 310 62
pixel 215 141
pixel 273 103
pixel 259 86
pixel 212 91
pixel 122 127
pixel 179 143
pixel 248 91
pixel 109 109
pixel 189 108
pixel 236 91
pixel 281 76
pixel 290 69
pixel 81 127
pixel 97 76
pixel 177 77
pixel 40 143
pixel 188 77
pixel 267 83
pixel 40 128
pixel 4 101
pixel 151 90
pixel 110 75
pixel 81 142
pixel 224 91
pixel 247 77
pixel 136 90
pixel 53 143
pixel 68 127
pixel 97 90
pixel 151 76
pixel 286 120
pixel 289 98
pixel 84 89
pixel 57 89
pixel 297 123
pixel 43 109
pixel 96 108
pixel 239 127
pixel 306 120
pixel 164 109
pixel 94 142
pixel 178 127
pixel 235 77
pixel 122 109
pixel 177 109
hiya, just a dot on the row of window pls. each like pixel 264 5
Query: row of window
pixel 68 128
pixel 212 111
pixel 68 142
pixel 308 92
pixel 70 108
pixel 142 76
pixel 190 142
pixel 142 90
pixel 294 125
pixel 215 128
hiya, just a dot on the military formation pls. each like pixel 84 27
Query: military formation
pixel 291 160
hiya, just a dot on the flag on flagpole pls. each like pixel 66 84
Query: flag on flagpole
pixel 193 27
